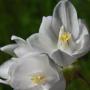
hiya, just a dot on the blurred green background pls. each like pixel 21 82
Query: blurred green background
pixel 23 18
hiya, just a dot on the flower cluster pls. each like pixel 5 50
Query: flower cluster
pixel 62 38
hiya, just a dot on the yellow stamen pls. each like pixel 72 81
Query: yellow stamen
pixel 38 78
pixel 65 37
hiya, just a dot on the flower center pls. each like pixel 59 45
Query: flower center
pixel 65 37
pixel 38 78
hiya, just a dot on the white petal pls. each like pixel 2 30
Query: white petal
pixel 46 87
pixel 23 70
pixel 60 85
pixel 61 58
pixel 3 82
pixel 65 14
pixel 18 40
pixel 4 69
pixel 9 49
pixel 22 47
pixel 40 43
pixel 83 40
pixel 19 49
pixel 34 88
pixel 22 50
pixel 35 43
pixel 45 26
pixel 46 30
pixel 83 30
pixel 84 48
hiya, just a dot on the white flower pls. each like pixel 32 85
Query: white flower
pixel 32 72
pixel 28 69
pixel 63 36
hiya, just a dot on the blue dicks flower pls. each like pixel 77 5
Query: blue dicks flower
pixel 63 36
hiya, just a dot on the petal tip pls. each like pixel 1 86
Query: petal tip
pixel 1 49
pixel 43 18
pixel 13 37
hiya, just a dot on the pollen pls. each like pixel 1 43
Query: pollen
pixel 65 37
pixel 38 78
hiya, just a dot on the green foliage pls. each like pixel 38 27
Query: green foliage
pixel 78 84
pixel 23 18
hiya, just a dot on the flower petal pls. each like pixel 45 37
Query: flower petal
pixel 3 82
pixel 34 88
pixel 83 40
pixel 22 50
pixel 83 30
pixel 84 48
pixel 35 43
pixel 19 49
pixel 22 47
pixel 9 49
pixel 40 43
pixel 60 85
pixel 65 14
pixel 46 30
pixel 18 40
pixel 4 69
pixel 61 58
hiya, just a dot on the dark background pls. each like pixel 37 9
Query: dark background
pixel 23 18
